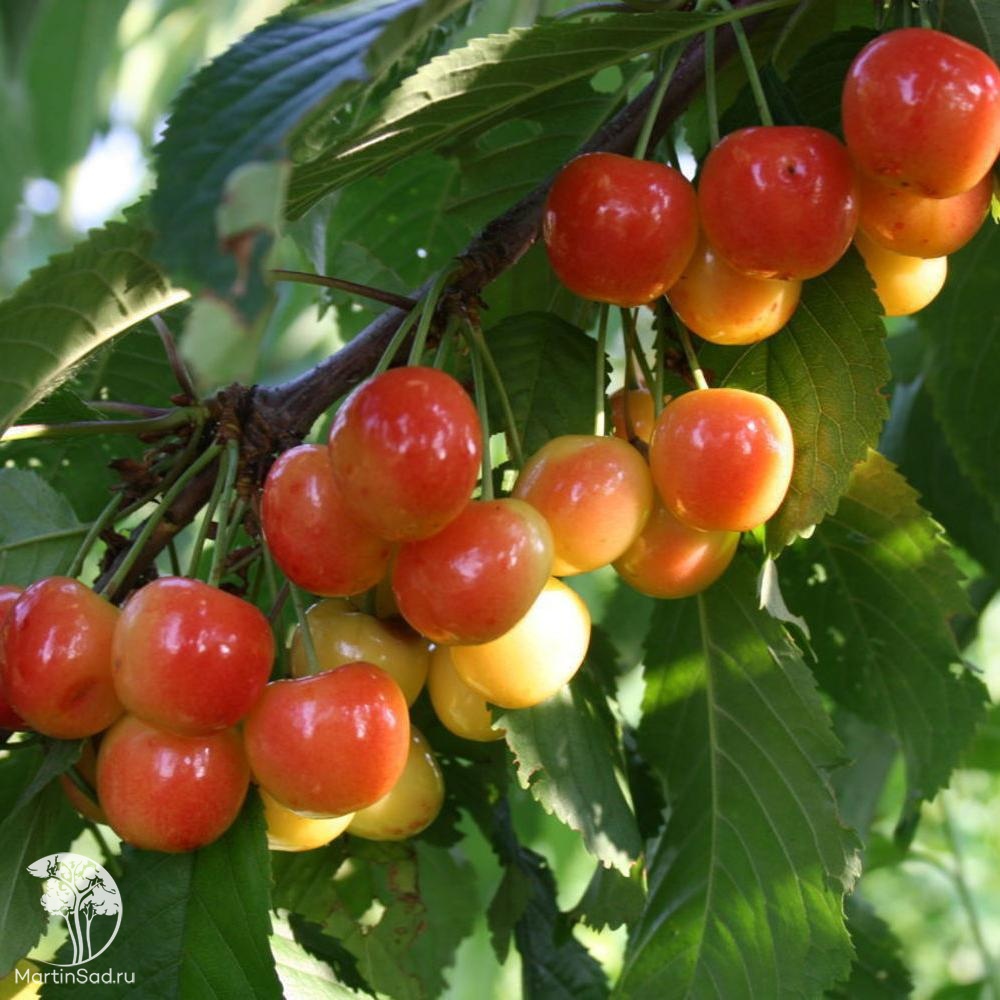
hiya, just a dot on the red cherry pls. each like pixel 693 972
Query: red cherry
pixel 57 659
pixel 921 109
pixel 331 743
pixel 619 230
pixel 633 414
pixel 475 579
pixel 9 719
pixel 162 791
pixel 190 657
pixel 405 448
pixel 779 201
pixel 315 539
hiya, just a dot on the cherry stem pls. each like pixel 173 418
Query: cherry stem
pixel 307 639
pixel 600 398
pixel 83 786
pixel 177 365
pixel 654 105
pixel 924 13
pixel 753 77
pixel 711 89
pixel 482 350
pixel 444 344
pixel 208 515
pixel 661 365
pixel 82 428
pixel 402 332
pixel 132 409
pixel 479 385
pixel 430 302
pixel 632 338
pixel 106 517
pixel 692 359
pixel 343 285
pixel 224 526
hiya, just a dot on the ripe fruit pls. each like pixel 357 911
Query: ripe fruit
pixel 594 492
pixel 405 448
pixel 163 791
pixel 669 559
pixel 903 284
pixel 536 657
pixel 726 306
pixel 332 743
pixel 288 831
pixel 460 709
pixel 472 581
pixel 190 657
pixel 779 201
pixel 315 539
pixel 921 109
pixel 343 635
pixel 413 802
pixel 9 719
pixel 633 414
pixel 619 230
pixel 721 459
pixel 57 659
pixel 917 226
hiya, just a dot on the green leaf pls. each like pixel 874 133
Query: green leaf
pixel 825 369
pixel 72 305
pixel 746 880
pixel 39 533
pixel 303 975
pixel 878 581
pixel 962 327
pixel 196 924
pixel 58 756
pixel 977 21
pixel 238 114
pixel 611 899
pixel 566 754
pixel 73 50
pixel 15 149
pixel 984 751
pixel 878 972
pixel 547 366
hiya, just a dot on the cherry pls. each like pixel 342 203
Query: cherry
pixel 633 414
pixel 725 306
pixel 412 804
pixel 405 448
pixel 190 657
pixel 779 201
pixel 163 791
pixel 56 670
pixel 332 743
pixel 903 284
pixel 312 534
pixel 342 634
pixel 460 708
pixel 669 559
pixel 619 230
pixel 917 226
pixel 9 719
pixel 472 581
pixel 288 831
pixel 721 459
pixel 594 492
pixel 536 657
pixel 921 109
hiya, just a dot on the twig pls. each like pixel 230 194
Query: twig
pixel 343 285
pixel 177 365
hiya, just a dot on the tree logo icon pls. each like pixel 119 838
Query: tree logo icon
pixel 80 891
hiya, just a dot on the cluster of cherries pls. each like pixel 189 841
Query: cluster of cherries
pixel 776 205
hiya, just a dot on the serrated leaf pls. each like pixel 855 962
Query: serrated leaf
pixel 240 112
pixel 611 899
pixel 58 756
pixel 72 305
pixel 303 976
pixel 878 972
pixel 977 21
pixel 879 584
pixel 825 369
pixel 311 938
pixel 39 533
pixel 984 751
pixel 196 924
pixel 746 880
pixel 962 327
pixel 565 751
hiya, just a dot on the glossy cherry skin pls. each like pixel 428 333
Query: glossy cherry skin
pixel 163 791
pixel 405 449
pixel 190 657
pixel 619 230
pixel 57 659
pixel 412 804
pixel 343 635
pixel 536 657
pixel 312 534
pixel 594 492
pixel 779 201
pixel 9 719
pixel 633 414
pixel 472 581
pixel 460 708
pixel 725 306
pixel 86 766
pixel 921 109
pixel 903 284
pixel 289 831
pixel 332 743
pixel 721 459
pixel 669 559
pixel 918 226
